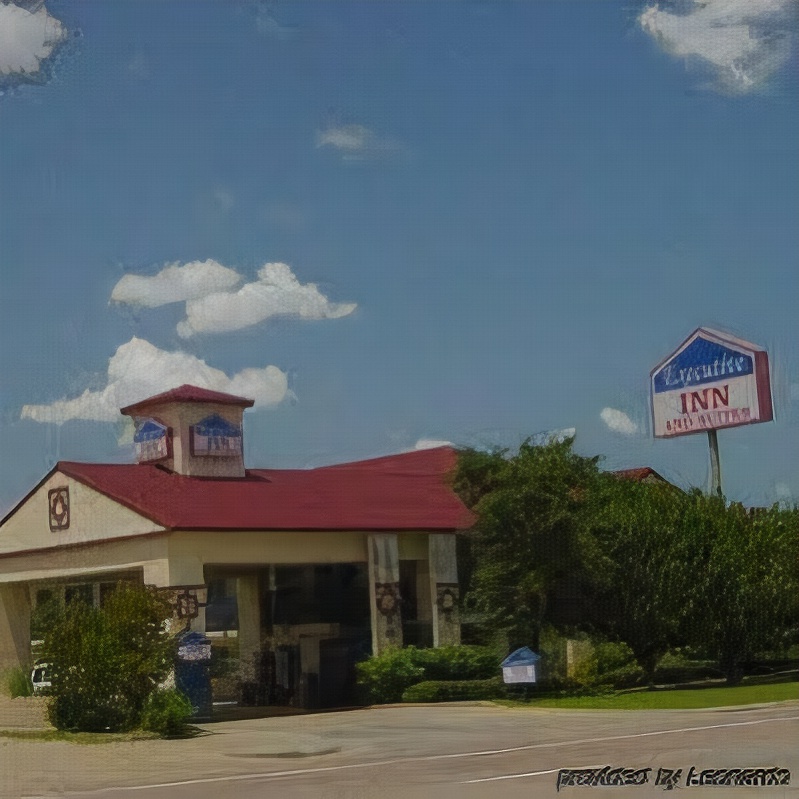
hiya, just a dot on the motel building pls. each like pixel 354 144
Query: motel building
pixel 294 575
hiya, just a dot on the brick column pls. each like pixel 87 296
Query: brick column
pixel 384 592
pixel 444 590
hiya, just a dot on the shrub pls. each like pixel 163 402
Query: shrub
pixel 105 662
pixel 166 712
pixel 458 663
pixel 44 617
pixel 387 676
pixel 455 690
pixel 18 682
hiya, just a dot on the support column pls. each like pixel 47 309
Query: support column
pixel 384 592
pixel 15 625
pixel 444 590
pixel 249 607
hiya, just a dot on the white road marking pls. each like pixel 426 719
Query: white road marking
pixel 428 758
pixel 526 774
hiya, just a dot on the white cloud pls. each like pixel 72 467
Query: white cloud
pixel 356 142
pixel 268 24
pixel 276 292
pixel 138 370
pixel 743 41
pixel 552 436
pixel 26 38
pixel 618 421
pixel 432 443
pixel 175 283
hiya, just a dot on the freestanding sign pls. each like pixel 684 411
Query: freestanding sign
pixel 712 380
pixel 519 666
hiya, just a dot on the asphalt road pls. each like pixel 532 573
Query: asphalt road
pixel 409 752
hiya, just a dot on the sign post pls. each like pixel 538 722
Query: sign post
pixel 715 463
pixel 711 381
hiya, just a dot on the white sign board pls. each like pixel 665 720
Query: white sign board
pixel 511 674
pixel 712 380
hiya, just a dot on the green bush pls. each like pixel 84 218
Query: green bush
pixel 458 663
pixel 455 690
pixel 18 682
pixel 674 675
pixel 386 677
pixel 166 712
pixel 105 662
pixel 45 616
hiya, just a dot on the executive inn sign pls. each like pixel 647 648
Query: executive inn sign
pixel 713 380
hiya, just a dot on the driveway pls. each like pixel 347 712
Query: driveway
pixel 437 751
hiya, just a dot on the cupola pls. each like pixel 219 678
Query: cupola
pixel 191 431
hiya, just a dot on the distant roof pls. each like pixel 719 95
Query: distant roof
pixel 640 475
pixel 410 491
pixel 187 393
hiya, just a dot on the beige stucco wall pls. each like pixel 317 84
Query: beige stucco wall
pixel 149 554
pixel 178 558
pixel 412 546
pixel 93 516
pixel 263 547
pixel 180 416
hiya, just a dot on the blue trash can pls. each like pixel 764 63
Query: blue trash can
pixel 192 673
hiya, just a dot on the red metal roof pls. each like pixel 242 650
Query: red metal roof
pixel 640 474
pixel 187 393
pixel 409 491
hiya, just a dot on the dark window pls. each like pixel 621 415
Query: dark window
pixel 79 593
pixel 410 611
pixel 221 612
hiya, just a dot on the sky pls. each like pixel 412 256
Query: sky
pixel 395 224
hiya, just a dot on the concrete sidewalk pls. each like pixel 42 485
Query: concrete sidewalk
pixel 23 713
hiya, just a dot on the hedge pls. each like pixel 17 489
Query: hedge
pixel 455 690
pixel 387 676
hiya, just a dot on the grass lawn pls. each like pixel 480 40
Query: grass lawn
pixel 676 699
pixel 78 737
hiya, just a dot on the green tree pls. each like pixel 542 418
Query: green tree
pixel 532 531
pixel 646 585
pixel 105 662
pixel 749 580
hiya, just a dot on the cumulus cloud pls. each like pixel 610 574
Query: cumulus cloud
pixel 432 443
pixel 138 370
pixel 743 41
pixel 27 38
pixel 356 142
pixel 618 421
pixel 175 283
pixel 552 436
pixel 276 292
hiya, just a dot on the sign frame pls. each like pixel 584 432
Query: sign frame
pixel 731 388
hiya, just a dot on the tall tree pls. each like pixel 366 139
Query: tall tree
pixel 531 530
pixel 647 586
pixel 748 580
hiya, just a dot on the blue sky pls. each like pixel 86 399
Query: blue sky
pixel 395 223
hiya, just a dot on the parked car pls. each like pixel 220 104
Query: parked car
pixel 40 677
